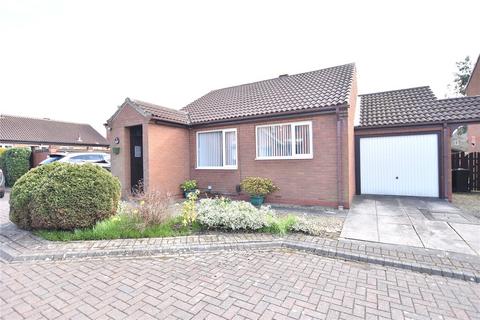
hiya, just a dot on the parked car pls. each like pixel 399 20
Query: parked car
pixel 99 158
pixel 2 184
pixel 53 157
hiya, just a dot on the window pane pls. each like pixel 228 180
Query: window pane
pixel 274 141
pixel 302 139
pixel 95 157
pixel 79 158
pixel 210 149
pixel 230 148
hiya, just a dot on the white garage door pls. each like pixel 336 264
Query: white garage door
pixel 400 165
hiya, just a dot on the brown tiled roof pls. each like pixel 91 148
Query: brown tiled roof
pixel 161 113
pixel 463 108
pixel 14 129
pixel 414 106
pixel 286 94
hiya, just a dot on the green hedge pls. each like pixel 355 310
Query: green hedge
pixel 2 161
pixel 64 196
pixel 16 162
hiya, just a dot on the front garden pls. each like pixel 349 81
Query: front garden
pixel 65 202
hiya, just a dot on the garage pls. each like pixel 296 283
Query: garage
pixel 403 142
pixel 404 165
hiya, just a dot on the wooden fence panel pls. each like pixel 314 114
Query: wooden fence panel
pixel 470 161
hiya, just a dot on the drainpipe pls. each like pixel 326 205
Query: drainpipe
pixel 145 156
pixel 339 160
pixel 446 163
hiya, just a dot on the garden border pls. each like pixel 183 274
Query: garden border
pixel 433 262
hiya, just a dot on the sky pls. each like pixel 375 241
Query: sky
pixel 78 60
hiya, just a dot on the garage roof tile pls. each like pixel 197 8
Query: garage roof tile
pixel 414 106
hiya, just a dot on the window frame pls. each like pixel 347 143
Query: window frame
pixel 224 166
pixel 294 156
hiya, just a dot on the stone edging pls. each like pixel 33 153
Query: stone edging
pixel 247 244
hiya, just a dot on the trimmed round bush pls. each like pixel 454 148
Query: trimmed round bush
pixel 64 196
pixel 16 162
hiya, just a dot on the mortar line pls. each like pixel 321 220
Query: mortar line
pixel 414 228
pixel 468 245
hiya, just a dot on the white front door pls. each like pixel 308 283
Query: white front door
pixel 400 165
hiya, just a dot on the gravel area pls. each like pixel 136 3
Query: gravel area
pixel 468 202
pixel 314 211
pixel 328 220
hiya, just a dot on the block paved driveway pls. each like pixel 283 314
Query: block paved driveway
pixel 243 284
pixel 420 222
pixel 279 284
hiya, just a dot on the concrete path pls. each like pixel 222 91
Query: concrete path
pixel 420 222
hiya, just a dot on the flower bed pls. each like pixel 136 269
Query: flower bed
pixel 217 214
pixel 224 214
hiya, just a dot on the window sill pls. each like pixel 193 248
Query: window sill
pixel 285 158
pixel 216 168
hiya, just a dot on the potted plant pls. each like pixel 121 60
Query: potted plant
pixel 258 188
pixel 188 186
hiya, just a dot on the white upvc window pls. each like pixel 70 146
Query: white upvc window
pixel 217 149
pixel 284 141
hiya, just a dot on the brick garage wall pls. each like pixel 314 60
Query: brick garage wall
pixel 445 163
pixel 349 144
pixel 168 158
pixel 120 164
pixel 306 181
pixel 38 156
pixel 474 137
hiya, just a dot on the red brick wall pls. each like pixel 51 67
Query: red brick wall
pixel 127 117
pixel 38 156
pixel 168 158
pixel 473 88
pixel 350 142
pixel 165 150
pixel 305 181
pixel 474 137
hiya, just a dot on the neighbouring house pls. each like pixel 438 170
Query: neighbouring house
pixel 473 85
pixel 403 141
pixel 473 89
pixel 44 136
pixel 297 130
